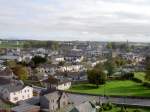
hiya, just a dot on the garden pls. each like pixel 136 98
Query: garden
pixel 115 88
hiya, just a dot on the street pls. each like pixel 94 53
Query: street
pixel 77 99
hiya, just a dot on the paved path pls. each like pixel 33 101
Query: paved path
pixel 77 99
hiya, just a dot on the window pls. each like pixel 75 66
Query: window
pixel 16 98
pixel 22 97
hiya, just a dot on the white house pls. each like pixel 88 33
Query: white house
pixel 59 59
pixel 59 84
pixel 50 69
pixel 71 68
pixel 16 92
pixel 63 85
pixel 74 58
pixel 25 57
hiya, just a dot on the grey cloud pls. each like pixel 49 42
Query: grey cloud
pixel 102 19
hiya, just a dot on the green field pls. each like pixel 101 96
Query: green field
pixel 117 109
pixel 121 88
pixel 10 45
pixel 140 76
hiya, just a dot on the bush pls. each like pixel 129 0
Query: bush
pixel 110 105
pixel 123 109
pixel 147 84
pixel 101 110
pixel 137 80
pixel 107 106
pixel 136 110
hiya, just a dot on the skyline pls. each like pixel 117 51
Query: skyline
pixel 86 20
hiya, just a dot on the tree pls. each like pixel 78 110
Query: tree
pixel 109 45
pixel 11 63
pixel 51 80
pixel 21 71
pixel 61 63
pixel 38 60
pixel 55 46
pixel 110 66
pixel 96 76
pixel 147 69
pixel 120 61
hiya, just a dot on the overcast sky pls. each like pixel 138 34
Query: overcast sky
pixel 102 20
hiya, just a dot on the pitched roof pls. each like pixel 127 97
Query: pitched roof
pixel 4 81
pixel 6 72
pixel 14 86
pixel 84 107
pixel 25 108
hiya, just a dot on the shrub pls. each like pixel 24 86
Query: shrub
pixel 110 105
pixel 107 106
pixel 123 109
pixel 101 110
pixel 137 80
pixel 147 84
pixel 136 110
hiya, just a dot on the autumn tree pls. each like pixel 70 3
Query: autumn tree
pixel 21 72
pixel 11 63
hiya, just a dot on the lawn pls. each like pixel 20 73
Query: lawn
pixel 121 88
pixel 140 76
pixel 117 109
pixel 10 45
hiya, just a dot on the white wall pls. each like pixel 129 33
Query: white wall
pixel 23 94
pixel 64 86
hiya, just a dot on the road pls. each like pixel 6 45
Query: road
pixel 77 99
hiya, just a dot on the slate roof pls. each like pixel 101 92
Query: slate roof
pixel 13 86
pixel 6 72
pixel 4 81
pixel 81 107
pixel 84 107
pixel 25 108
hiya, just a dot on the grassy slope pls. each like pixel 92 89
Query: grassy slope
pixel 139 75
pixel 117 109
pixel 124 88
